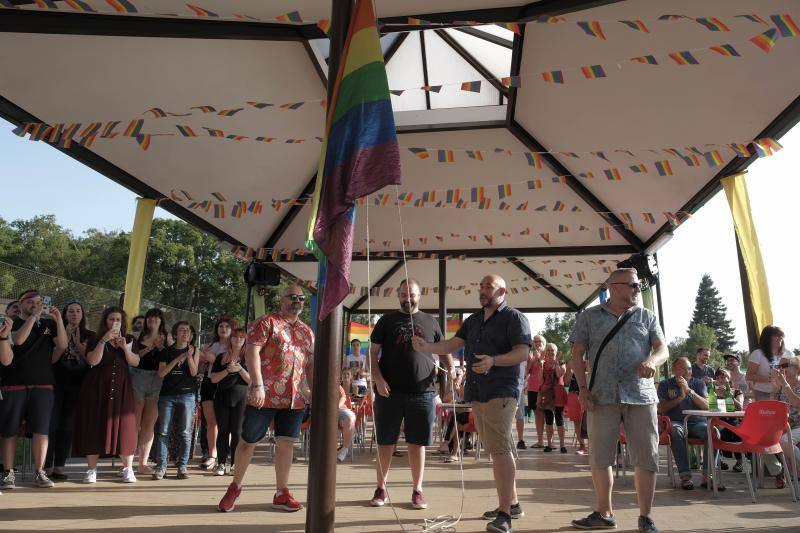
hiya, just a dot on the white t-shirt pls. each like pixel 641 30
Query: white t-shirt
pixel 357 359
pixel 764 367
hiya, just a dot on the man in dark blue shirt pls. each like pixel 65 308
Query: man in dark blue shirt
pixel 676 394
pixel 496 341
pixel 700 369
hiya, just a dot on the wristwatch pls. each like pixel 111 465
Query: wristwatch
pixel 690 393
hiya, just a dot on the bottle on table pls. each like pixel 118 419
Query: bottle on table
pixel 712 397
pixel 730 405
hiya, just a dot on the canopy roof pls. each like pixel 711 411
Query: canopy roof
pixel 568 213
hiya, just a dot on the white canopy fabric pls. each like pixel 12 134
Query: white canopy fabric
pixel 589 211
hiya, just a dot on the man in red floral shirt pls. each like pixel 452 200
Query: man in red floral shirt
pixel 279 356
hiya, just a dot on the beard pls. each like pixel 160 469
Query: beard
pixel 407 306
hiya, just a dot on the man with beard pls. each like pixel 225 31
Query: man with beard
pixel 279 355
pixel 404 382
pixel 496 341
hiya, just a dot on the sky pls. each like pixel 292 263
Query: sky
pixel 36 179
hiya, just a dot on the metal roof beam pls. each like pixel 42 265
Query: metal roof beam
pixel 486 36
pixel 474 63
pixel 528 271
pixel 383 279
pixel 400 39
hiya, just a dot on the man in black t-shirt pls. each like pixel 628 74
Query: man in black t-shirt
pixel 404 382
pixel 27 383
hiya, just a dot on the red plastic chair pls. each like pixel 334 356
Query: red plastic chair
pixel 664 427
pixel 761 429
pixel 469 427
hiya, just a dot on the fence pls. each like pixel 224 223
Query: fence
pixel 14 280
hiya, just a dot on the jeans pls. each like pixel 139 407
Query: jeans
pixel 182 406
pixel 697 429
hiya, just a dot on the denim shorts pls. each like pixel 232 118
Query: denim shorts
pixel 345 414
pixel 417 410
pixel 257 421
pixel 146 384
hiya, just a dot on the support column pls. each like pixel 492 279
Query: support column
pixel 140 239
pixel 321 514
pixel 443 318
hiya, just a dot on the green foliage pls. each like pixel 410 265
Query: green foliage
pixel 700 336
pixel 709 310
pixel 557 329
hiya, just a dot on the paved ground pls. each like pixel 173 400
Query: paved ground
pixel 553 490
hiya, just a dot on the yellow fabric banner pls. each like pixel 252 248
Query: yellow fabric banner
pixel 739 201
pixel 140 238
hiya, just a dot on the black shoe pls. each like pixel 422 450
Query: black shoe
pixel 521 445
pixel 548 449
pixel 501 524
pixel 516 512
pixel 59 476
pixel 722 466
pixel 563 449
pixel 595 521
pixel 646 525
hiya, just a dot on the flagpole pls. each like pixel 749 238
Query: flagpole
pixel 320 517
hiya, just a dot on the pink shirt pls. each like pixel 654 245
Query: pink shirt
pixel 534 373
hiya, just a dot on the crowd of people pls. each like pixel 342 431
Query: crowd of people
pixel 111 392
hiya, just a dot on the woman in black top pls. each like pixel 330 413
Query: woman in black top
pixel 149 346
pixel 231 378
pixel 69 368
pixel 208 354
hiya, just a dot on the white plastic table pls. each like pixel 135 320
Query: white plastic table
pixel 709 415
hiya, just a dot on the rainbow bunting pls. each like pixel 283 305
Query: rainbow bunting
pixel 765 41
pixel 549 19
pixel 219 196
pixel 452 195
pixel 78 5
pixel 766 146
pixel 485 203
pixel 753 18
pixel 186 131
pixel 405 197
pixel 605 233
pixel 475 154
pixel 587 175
pixel 134 128
pixel 560 179
pixel 592 72
pixel 471 86
pixel 523 206
pixel 545 237
pixel 636 25
pixel 122 6
pixel 559 206
pixel 526 231
pixel 741 150
pixel 229 112
pixel 684 58
pixel 260 105
pixel 431 88
pixel 489 239
pixel 625 152
pixel 691 160
pixel 638 168
pixel 219 211
pixel 445 156
pixel 612 174
pixel 214 133
pixel 504 206
pixel 534 159
pixel 108 132
pixel 534 184
pixel 157 112
pixel 429 196
pixel 601 155
pixel 461 204
pixel 291 105
pixel 674 17
pixel 785 25
pixel 576 209
pixel 473 238
pixel 200 12
pixel 504 190
pixel 255 207
pixel 503 151
pixel 592 28
pixel 553 76
pixel 143 140
pixel 712 23
pixel 626 218
pixel 713 158
pixel 264 139
pixel 563 228
pixel 646 60
pixel 511 26
pixel 672 217
pixel 570 154
pixel 417 22
pixel 725 50
pixel 45 4
pixel 511 81
pixel 673 151
pixel 204 108
pixel 293 16
pixel 324 25
pixel 583 228
pixel 422 153
pixel 663 168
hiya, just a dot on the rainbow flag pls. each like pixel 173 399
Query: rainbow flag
pixel 560 179
pixel 534 184
pixel 324 25
pixel 157 112
pixel 219 211
pixel 725 50
pixel 576 209
pixel 485 203
pixel 646 60
pixel 511 81
pixel 612 174
pixel 205 108
pixel 45 4
pixel 471 86
pixel 553 76
pixel 489 239
pixel 523 206
pixel 214 133
pixel 200 12
pixel 422 153
pixel 601 155
pixel 741 150
pixel 475 154
pixel 504 206
pixel 526 231
pixel 785 25
pixel 229 112
pixel 592 28
pixel 592 72
pixel 636 25
pixel 765 41
pixel 663 168
pixel 134 129
pixel 219 196
pixel 713 158
pixel 360 154
pixel 78 5
pixel 753 18
pixel 587 175
pixel 691 160
pixel 445 156
pixel 712 23
pixel 673 17
pixel 512 26
pixel 766 146
pixel 638 168
pixel 186 131
pixel 605 233
pixel 431 88
pixel 559 206
pixel 452 195
pixel 534 159
pixel 545 237
pixel 291 105
pixel 263 139
pixel 122 6
pixel 563 228
pixel 504 190
pixel 292 16
pixel 260 105
pixel 684 58
pixel 405 197
pixel 429 196
pixel 626 218
pixel 143 140
pixel 417 22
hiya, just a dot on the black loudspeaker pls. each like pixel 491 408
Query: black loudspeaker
pixel 645 266
pixel 261 274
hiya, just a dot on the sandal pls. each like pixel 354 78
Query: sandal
pixel 738 468
pixel 397 454
pixel 208 463
pixel 686 484
pixel 450 459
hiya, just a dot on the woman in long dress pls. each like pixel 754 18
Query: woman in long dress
pixel 106 417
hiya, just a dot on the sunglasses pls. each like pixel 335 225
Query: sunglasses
pixel 633 285
pixel 296 297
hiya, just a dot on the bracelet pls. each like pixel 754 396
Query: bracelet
pixel 258 386
pixel 3 338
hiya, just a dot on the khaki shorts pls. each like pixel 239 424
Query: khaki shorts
pixel 641 434
pixel 493 420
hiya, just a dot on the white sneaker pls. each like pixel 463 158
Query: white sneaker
pixel 219 469
pixel 342 455
pixel 128 476
pixel 91 476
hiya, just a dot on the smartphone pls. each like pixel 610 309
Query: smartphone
pixel 2 320
pixel 47 301
pixel 116 327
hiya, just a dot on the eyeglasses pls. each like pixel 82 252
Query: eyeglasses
pixel 633 285
pixel 296 297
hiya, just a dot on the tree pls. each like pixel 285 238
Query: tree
pixel 709 310
pixel 557 329
pixel 700 336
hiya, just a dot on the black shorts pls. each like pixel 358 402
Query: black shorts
pixel 33 405
pixel 207 390
pixel 532 397
pixel 418 410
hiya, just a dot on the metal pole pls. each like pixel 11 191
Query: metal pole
pixel 749 316
pixel 321 514
pixel 442 317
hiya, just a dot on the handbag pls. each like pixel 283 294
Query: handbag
pixel 544 400
pixel 621 322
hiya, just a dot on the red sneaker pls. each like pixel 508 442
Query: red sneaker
pixel 418 500
pixel 285 501
pixel 228 502
pixel 379 498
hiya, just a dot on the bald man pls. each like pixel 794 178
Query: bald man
pixel 496 341
pixel 279 355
